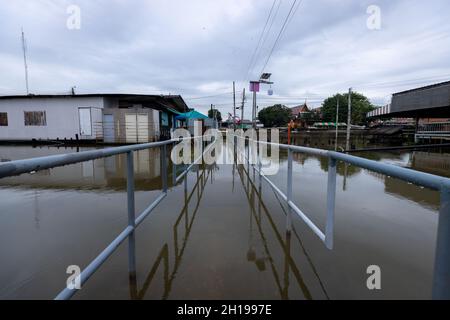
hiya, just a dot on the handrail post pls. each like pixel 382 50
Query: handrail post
pixel 174 173
pixel 164 168
pixel 131 211
pixel 289 191
pixel 260 163
pixel 441 278
pixel 248 154
pixel 331 203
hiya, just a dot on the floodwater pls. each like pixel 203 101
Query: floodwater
pixel 221 233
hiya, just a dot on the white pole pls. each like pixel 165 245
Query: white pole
pixel 234 106
pixel 337 123
pixel 349 118
pixel 24 48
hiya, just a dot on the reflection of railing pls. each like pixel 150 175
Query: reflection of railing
pixel 163 256
pixel 37 164
pixel 441 284
pixel 289 262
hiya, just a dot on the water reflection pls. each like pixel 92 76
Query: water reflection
pixel 185 220
pixel 430 162
pixel 327 140
pixel 273 262
pixel 263 255
pixel 433 162
pixel 398 188
pixel 105 173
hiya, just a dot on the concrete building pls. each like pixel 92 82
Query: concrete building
pixel 110 118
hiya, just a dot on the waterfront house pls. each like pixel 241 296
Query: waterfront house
pixel 110 118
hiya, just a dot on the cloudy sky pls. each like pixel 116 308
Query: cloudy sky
pixel 197 48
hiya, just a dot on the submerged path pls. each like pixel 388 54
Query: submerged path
pixel 228 244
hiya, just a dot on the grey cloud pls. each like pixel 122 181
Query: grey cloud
pixel 197 48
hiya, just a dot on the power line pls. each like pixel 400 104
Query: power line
pixel 267 35
pixel 283 28
pixel 260 39
pixel 293 14
pixel 404 82
pixel 211 96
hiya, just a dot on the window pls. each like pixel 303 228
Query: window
pixel 3 119
pixel 35 118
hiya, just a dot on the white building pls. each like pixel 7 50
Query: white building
pixel 121 118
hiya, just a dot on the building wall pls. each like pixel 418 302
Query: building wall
pixel 437 96
pixel 62 117
pixel 131 132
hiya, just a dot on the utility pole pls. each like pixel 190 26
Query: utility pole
pixel 254 110
pixel 337 123
pixel 24 48
pixel 349 119
pixel 242 108
pixel 234 106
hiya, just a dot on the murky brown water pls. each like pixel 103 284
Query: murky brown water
pixel 222 238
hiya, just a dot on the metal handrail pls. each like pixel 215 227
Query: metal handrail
pixel 18 167
pixel 436 127
pixel 441 280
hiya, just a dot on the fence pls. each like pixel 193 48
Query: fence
pixel 32 165
pixel 433 131
pixel 441 281
pixel 438 127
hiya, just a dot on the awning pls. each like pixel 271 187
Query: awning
pixel 191 115
pixel 174 111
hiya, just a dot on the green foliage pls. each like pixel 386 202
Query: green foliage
pixel 214 113
pixel 275 116
pixel 360 107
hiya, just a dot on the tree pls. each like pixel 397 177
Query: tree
pixel 360 107
pixel 214 113
pixel 275 116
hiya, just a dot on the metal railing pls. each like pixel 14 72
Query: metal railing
pixel 437 127
pixel 18 167
pixel 441 281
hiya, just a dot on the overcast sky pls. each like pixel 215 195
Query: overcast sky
pixel 197 48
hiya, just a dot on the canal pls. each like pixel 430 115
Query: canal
pixel 224 237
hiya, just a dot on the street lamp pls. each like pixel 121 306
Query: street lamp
pixel 254 87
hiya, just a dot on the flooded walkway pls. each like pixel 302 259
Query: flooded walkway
pixel 220 234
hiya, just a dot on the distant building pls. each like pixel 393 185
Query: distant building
pixel 431 101
pixel 300 110
pixel 303 116
pixel 111 118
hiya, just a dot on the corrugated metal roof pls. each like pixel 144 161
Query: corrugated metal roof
pixel 176 100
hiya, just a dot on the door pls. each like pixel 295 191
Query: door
pixel 136 127
pixel 108 128
pixel 142 120
pixel 130 128
pixel 85 122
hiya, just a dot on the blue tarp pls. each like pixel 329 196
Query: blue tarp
pixel 191 115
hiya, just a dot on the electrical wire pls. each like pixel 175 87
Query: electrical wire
pixel 260 39
pixel 283 28
pixel 266 36
pixel 211 96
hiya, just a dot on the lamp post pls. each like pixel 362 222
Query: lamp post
pixel 254 87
